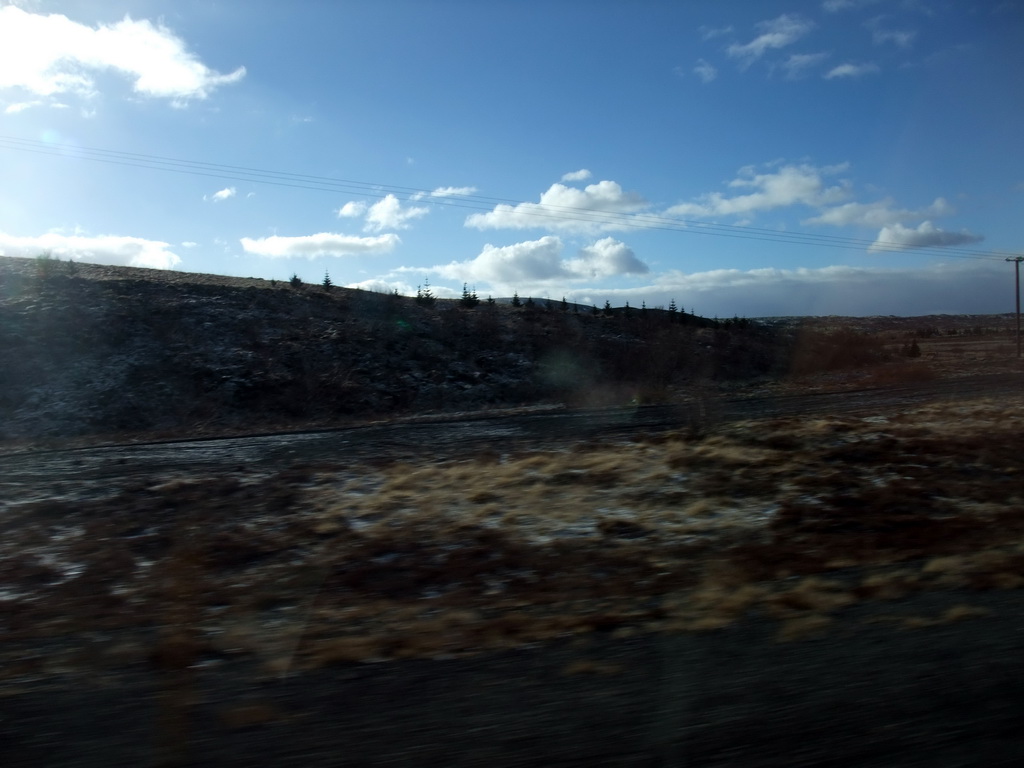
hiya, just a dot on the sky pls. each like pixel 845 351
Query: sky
pixel 834 157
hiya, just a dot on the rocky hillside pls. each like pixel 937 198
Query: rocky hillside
pixel 91 349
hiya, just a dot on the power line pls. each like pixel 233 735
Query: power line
pixel 612 219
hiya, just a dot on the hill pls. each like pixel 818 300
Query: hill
pixel 99 350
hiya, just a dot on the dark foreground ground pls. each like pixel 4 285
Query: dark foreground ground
pixel 909 655
pixel 864 694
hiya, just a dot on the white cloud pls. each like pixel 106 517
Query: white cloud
pixel 603 206
pixel 777 33
pixel 380 285
pixel 789 185
pixel 903 39
pixel 900 238
pixel 536 263
pixel 527 262
pixel 452 191
pixel 389 214
pixel 21 106
pixel 851 70
pixel 878 214
pixel 444 192
pixel 581 175
pixel 352 209
pixel 321 244
pixel 606 258
pixel 223 194
pixel 796 66
pixel 115 250
pixel 834 6
pixel 50 54
pixel 705 71
pixel 189 244
pixel 709 33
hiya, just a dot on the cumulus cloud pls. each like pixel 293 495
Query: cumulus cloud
pixel 851 70
pixel 527 262
pixel 352 209
pixel 539 262
pixel 603 206
pixel 581 175
pixel 50 54
pixel 606 258
pixel 878 214
pixel 796 66
pixel 389 214
pixel 321 244
pixel 705 71
pixel 116 250
pixel 789 185
pixel 776 33
pixel 926 235
pixel 223 194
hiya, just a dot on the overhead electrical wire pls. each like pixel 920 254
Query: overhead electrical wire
pixel 613 219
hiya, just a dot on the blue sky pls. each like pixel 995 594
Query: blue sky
pixel 757 158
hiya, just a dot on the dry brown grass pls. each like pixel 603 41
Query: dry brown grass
pixel 789 519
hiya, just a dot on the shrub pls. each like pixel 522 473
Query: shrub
pixel 49 266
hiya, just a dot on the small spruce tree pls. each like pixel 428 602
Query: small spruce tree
pixel 327 284
pixel 424 295
pixel 469 298
pixel 515 300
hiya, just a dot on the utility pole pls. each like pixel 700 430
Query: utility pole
pixel 1016 267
